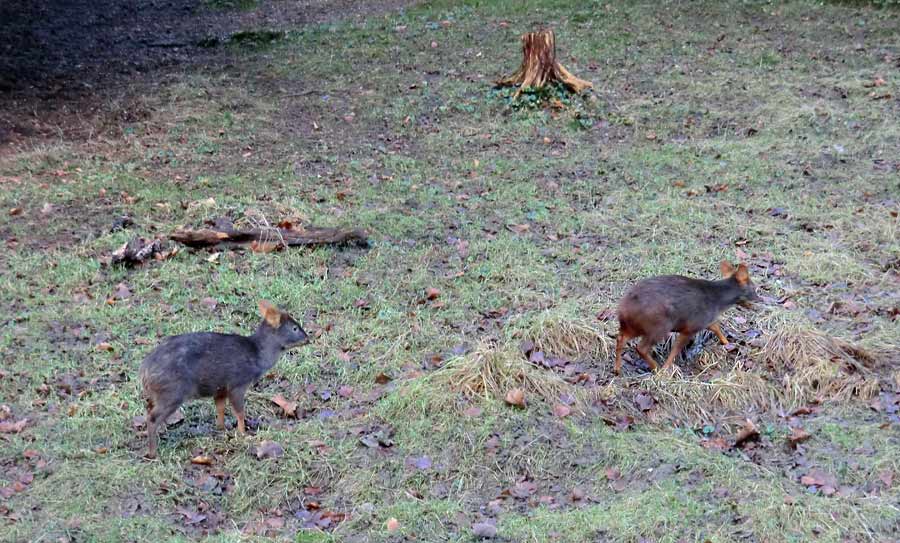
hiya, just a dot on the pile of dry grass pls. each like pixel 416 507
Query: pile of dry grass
pixel 813 365
pixel 729 395
pixel 794 365
pixel 490 372
pixel 571 339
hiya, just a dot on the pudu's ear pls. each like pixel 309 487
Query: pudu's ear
pixel 270 313
pixel 726 268
pixel 742 275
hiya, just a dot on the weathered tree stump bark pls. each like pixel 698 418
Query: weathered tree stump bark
pixel 540 67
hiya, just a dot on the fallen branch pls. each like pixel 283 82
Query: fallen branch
pixel 139 250
pixel 265 240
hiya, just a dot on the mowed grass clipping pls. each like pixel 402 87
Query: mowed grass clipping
pixel 744 131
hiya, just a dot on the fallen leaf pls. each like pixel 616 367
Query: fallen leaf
pixel 7 427
pixel 269 449
pixel 716 443
pixel 423 463
pixel 536 357
pixel 31 453
pixel 392 524
pixel 191 517
pixel 483 530
pixel 209 303
pixel 887 477
pixel 644 401
pixel 561 410
pixel 516 396
pixel 623 423
pixel 288 407
pixel 523 489
pixel 519 228
pixel 15 211
pixel 369 441
pixel 345 391
pixel 105 347
pixel 202 460
pixel 122 292
pixel 826 482
pixel 319 445
pixel 383 379
pixel 577 494
pixel 798 435
pixel 175 418
pixel 264 246
pixel 432 293
pixel 473 411
pixel 748 432
pixel 462 248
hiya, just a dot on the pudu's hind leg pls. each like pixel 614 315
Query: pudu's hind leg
pixel 717 330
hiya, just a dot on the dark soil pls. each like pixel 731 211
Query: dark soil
pixel 58 58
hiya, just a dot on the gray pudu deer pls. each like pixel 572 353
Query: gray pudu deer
pixel 672 303
pixel 209 364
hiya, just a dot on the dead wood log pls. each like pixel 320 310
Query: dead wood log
pixel 540 67
pixel 139 250
pixel 268 239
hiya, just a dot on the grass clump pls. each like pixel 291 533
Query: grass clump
pixel 489 372
pixel 558 334
pixel 814 365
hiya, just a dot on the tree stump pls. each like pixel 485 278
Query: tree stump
pixel 539 66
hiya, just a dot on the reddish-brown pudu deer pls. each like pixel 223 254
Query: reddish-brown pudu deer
pixel 673 303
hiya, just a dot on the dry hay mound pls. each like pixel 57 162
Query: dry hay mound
pixel 569 338
pixel 813 365
pixel 490 372
pixel 788 366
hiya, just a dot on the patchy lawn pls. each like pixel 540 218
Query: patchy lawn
pixel 766 133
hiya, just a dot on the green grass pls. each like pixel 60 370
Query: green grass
pixel 382 131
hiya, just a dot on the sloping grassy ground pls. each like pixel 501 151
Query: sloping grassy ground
pixel 765 132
